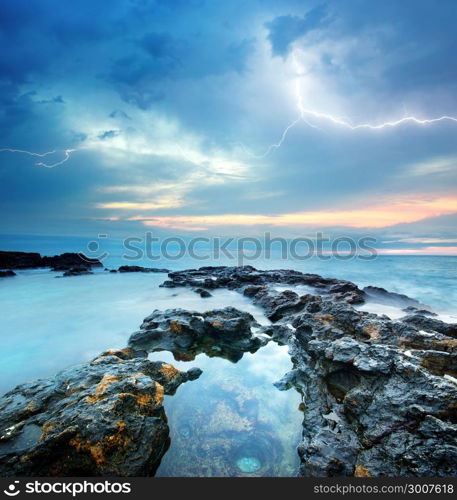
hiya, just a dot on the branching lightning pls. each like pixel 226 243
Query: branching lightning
pixel 306 113
pixel 67 154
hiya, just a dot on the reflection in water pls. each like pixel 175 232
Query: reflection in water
pixel 232 421
pixel 81 316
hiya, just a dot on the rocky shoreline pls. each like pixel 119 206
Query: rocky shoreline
pixel 379 395
pixel 71 264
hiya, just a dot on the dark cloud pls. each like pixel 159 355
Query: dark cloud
pixel 55 100
pixel 412 43
pixel 284 30
pixel 118 113
pixel 108 134
pixel 161 46
pixel 195 75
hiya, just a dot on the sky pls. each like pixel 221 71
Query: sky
pixel 194 117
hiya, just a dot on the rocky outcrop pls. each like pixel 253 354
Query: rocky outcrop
pixel 226 333
pixel 103 418
pixel 69 260
pixel 240 278
pixel 76 271
pixel 430 325
pixel 379 396
pixel 63 262
pixel 19 260
pixel 381 295
pixel 139 269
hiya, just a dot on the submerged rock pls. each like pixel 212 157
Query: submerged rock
pixel 425 312
pixel 69 260
pixel 103 418
pixel 223 333
pixel 223 432
pixel 431 325
pixel 77 271
pixel 248 464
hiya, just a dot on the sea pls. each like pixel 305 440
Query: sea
pixel 232 421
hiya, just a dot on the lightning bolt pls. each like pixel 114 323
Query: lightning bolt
pixel 306 113
pixel 67 155
pixel 304 116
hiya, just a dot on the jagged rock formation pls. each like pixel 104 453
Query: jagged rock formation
pixel 379 396
pixel 237 278
pixel 224 333
pixel 103 418
pixel 75 271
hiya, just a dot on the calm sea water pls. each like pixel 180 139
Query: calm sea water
pixel 231 421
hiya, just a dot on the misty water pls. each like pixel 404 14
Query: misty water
pixel 232 421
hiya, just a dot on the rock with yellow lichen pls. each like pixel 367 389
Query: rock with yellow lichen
pixel 103 418
pixel 379 393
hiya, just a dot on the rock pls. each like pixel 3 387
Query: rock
pixel 382 296
pixel 19 260
pixel 223 333
pixel 203 293
pixel 68 260
pixel 247 278
pixel 357 366
pixel 103 418
pixel 6 274
pixel 379 396
pixel 77 271
pixel 280 333
pixel 415 310
pixel 431 325
pixel 24 260
pixel 139 269
pixel 290 379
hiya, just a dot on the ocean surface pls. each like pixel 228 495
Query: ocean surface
pixel 232 420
